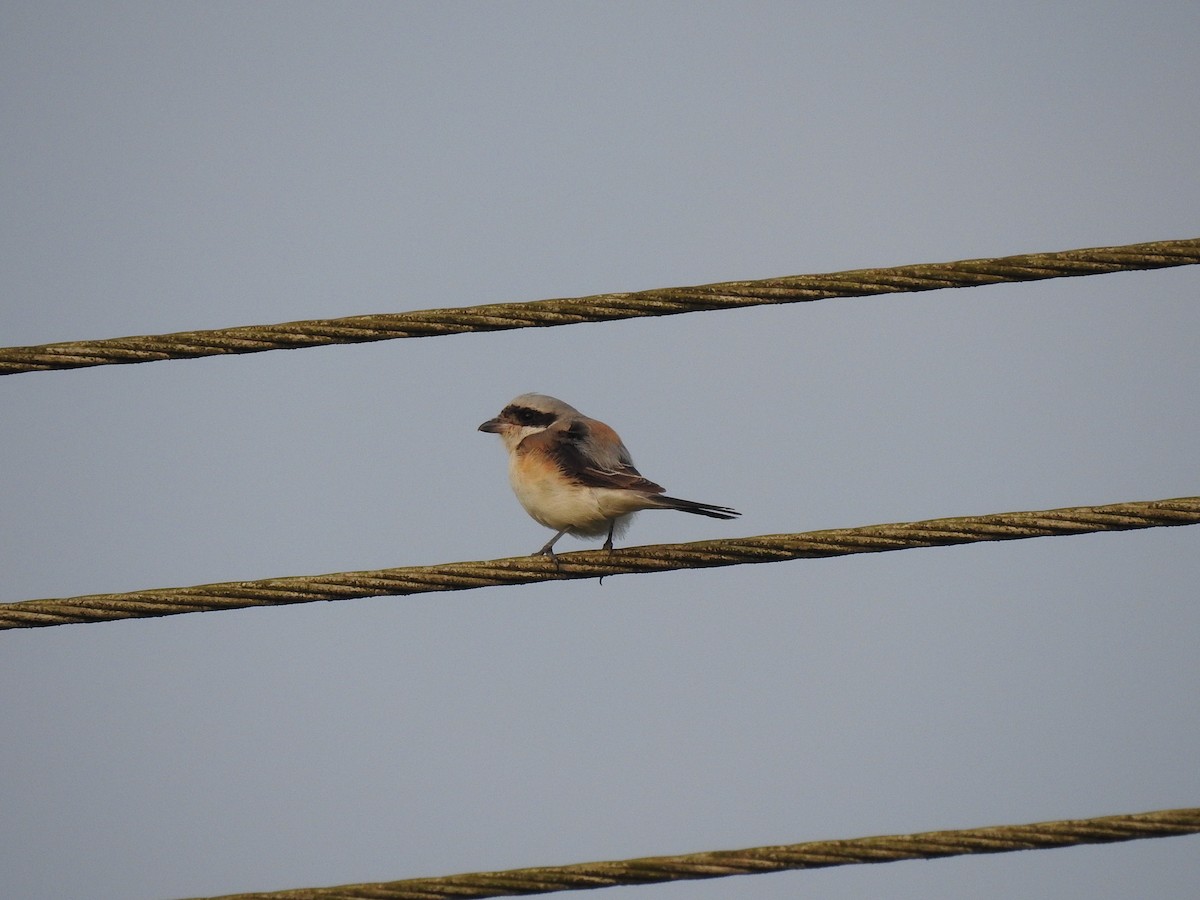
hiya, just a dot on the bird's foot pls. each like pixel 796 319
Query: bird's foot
pixel 548 550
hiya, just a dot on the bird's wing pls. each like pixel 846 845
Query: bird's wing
pixel 590 453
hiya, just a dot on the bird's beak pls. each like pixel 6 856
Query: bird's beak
pixel 492 426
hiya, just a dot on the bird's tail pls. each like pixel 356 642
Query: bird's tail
pixel 700 509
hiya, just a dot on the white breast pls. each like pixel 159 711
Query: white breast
pixel 557 504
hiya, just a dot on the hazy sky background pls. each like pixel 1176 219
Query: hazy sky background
pixel 178 166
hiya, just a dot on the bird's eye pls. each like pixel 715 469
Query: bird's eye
pixel 525 416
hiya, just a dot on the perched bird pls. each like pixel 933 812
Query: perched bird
pixel 573 474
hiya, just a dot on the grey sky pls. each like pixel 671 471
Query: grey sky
pixel 177 166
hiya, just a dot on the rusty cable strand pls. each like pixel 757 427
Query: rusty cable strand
pixel 599 307
pixel 755 860
pixel 596 563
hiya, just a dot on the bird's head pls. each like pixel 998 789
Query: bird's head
pixel 528 414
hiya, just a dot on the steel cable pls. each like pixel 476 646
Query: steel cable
pixel 755 860
pixel 598 563
pixel 598 308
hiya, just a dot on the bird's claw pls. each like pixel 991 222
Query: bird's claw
pixel 549 551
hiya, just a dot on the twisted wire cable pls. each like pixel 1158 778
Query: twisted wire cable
pixel 600 307
pixel 599 563
pixel 755 860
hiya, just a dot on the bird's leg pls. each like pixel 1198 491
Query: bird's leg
pixel 612 524
pixel 548 550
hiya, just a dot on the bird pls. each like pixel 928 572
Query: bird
pixel 574 475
